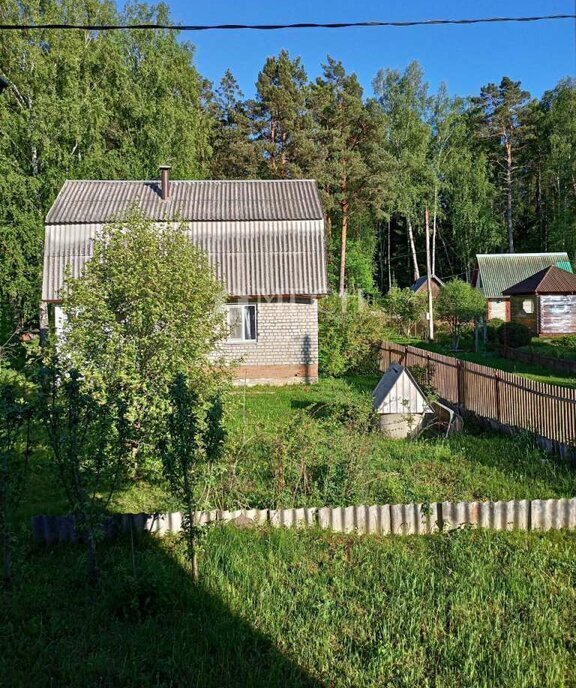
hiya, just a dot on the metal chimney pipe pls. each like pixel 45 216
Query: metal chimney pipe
pixel 164 182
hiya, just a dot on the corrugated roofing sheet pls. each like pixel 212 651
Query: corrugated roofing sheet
pixel 273 258
pixel 501 271
pixel 551 280
pixel 93 201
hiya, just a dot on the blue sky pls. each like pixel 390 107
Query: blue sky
pixel 465 57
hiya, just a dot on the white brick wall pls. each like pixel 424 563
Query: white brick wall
pixel 287 334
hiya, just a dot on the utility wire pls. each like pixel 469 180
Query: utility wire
pixel 276 27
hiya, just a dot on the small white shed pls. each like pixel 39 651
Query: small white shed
pixel 400 403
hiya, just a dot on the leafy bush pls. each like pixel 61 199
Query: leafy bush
pixel 405 308
pixel 492 327
pixel 459 304
pixel 350 331
pixel 514 335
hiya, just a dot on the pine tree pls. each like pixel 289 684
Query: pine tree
pixel 501 111
pixel 234 153
pixel 347 132
pixel 281 121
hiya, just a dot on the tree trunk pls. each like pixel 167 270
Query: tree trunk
pixel 5 555
pixel 389 258
pixel 93 568
pixel 416 270
pixel 509 196
pixel 344 237
pixel 541 214
pixel 191 543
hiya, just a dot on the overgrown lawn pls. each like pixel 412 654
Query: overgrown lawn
pixel 298 608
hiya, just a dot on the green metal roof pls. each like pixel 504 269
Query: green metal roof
pixel 500 271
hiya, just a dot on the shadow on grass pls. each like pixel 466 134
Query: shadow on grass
pixel 146 624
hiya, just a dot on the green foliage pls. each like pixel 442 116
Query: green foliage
pixel 350 331
pixel 16 414
pixel 405 308
pixel 459 304
pixel 514 335
pixel 492 327
pixel 194 434
pixel 89 442
pixel 147 307
pixel 132 100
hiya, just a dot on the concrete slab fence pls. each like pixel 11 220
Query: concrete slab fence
pixel 388 519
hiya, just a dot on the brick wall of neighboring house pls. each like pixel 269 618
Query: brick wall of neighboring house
pixel 499 308
pixel 286 347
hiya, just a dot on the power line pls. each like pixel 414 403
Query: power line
pixel 276 27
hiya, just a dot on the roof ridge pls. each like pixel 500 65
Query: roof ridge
pixel 190 181
pixel 516 255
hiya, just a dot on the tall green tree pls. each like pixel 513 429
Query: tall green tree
pixel 148 306
pixel 558 132
pixel 85 104
pixel 281 119
pixel 404 99
pixel 347 136
pixel 501 116
pixel 234 151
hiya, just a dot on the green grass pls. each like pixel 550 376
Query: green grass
pixel 554 347
pixel 280 608
pixel 493 360
pixel 313 446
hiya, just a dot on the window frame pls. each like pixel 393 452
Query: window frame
pixel 242 307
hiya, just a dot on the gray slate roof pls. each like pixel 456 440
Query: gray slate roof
pixel 263 238
pixel 499 271
pixel 195 201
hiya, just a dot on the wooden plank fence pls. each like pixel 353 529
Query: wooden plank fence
pixel 507 400
pixel 388 519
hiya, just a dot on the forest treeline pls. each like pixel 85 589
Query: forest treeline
pixel 497 169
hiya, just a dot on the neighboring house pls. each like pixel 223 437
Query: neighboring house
pixel 496 272
pixel 265 240
pixel 420 286
pixel 545 302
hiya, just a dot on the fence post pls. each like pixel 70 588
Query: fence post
pixel 497 394
pixel 460 382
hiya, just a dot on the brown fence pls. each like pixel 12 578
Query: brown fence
pixel 505 399
pixel 562 365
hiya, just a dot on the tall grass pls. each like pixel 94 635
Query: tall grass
pixel 316 446
pixel 280 608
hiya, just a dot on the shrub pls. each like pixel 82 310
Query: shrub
pixel 459 304
pixel 146 307
pixel 350 331
pixel 514 335
pixel 492 327
pixel 405 308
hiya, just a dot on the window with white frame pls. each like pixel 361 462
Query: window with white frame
pixel 241 322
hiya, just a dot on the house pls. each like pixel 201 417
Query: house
pixel 496 272
pixel 420 286
pixel 265 240
pixel 545 302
